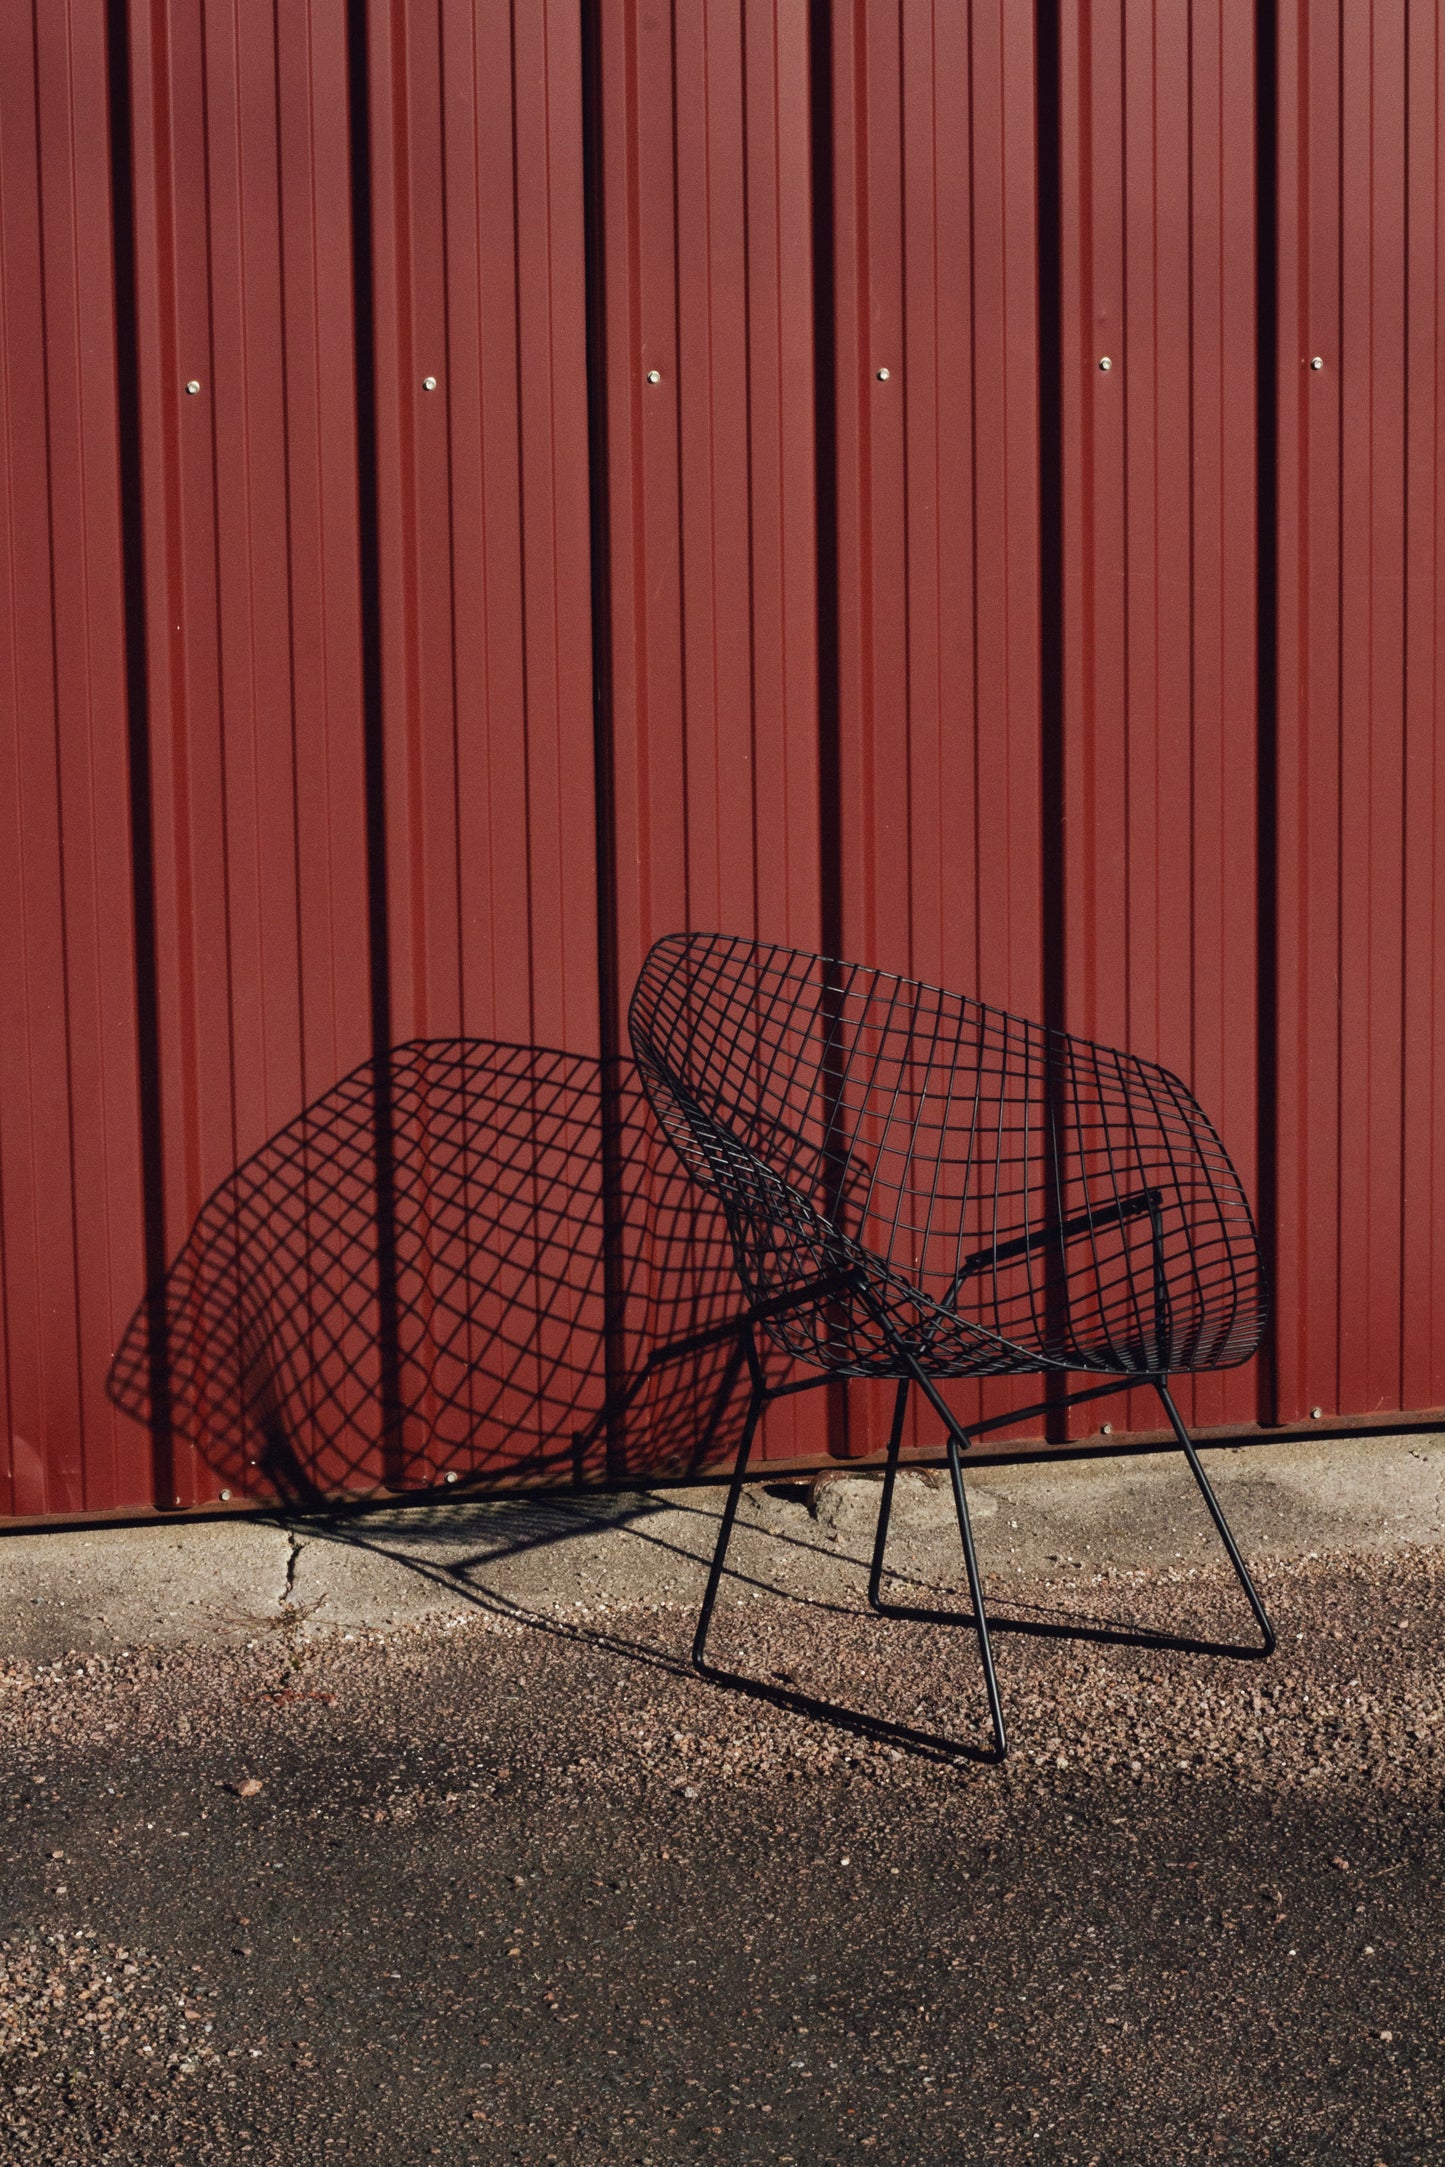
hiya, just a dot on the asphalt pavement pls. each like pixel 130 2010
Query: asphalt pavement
pixel 512 1884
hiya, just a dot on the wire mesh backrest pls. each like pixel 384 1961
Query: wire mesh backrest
pixel 1070 1199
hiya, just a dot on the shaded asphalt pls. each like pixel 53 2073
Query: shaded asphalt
pixel 525 1889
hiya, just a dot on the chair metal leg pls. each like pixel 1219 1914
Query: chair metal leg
pixel 975 1589
pixel 885 1504
pixel 958 1438
pixel 1186 1444
pixel 735 1490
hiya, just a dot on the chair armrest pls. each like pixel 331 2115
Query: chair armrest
pixel 1060 1231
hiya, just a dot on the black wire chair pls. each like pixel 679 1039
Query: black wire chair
pixel 919 1187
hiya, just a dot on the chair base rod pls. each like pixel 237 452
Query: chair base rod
pixel 730 1513
pixel 958 1440
pixel 885 1503
pixel 975 1589
pixel 1216 1513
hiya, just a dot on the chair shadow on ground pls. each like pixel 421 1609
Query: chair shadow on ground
pixel 524 1525
pixel 472 1268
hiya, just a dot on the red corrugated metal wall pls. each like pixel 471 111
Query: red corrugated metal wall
pixel 706 342
pixel 653 465
pixel 941 837
pixel 72 1250
pixel 1160 709
pixel 1361 881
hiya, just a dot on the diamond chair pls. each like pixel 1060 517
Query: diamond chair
pixel 918 1187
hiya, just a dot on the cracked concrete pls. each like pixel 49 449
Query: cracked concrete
pixel 293 1553
pixel 103 1588
pixel 106 1588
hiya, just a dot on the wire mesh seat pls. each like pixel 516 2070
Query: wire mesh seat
pixel 919 1187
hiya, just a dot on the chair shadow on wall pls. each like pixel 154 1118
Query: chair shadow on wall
pixel 463 1266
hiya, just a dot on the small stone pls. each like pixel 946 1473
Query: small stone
pixel 247 1787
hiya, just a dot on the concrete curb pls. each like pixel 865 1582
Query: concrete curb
pixel 100 1589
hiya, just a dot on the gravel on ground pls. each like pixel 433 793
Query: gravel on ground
pixel 519 1886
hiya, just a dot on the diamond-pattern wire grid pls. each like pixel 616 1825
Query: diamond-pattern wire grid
pixel 408 1281
pixel 995 1196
